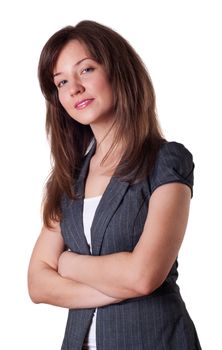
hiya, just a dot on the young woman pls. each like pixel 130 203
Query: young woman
pixel 117 201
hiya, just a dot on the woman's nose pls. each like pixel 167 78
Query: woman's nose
pixel 76 88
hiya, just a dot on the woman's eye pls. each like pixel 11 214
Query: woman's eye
pixel 87 70
pixel 61 83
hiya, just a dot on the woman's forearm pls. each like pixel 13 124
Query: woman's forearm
pixel 102 272
pixel 47 286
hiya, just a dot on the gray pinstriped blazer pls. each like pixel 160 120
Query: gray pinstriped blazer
pixel 158 321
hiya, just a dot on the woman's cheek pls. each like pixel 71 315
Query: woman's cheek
pixel 63 100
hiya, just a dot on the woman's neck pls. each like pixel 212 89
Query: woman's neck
pixel 104 136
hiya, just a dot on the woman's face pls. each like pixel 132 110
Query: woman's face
pixel 83 86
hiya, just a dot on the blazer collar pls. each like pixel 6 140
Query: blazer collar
pixel 108 204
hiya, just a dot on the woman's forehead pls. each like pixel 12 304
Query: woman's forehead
pixel 74 52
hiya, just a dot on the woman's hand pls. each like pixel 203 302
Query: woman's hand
pixel 66 264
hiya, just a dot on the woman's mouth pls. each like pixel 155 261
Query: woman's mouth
pixel 83 103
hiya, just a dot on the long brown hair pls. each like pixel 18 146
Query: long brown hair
pixel 134 106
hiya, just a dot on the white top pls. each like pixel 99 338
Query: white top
pixel 89 209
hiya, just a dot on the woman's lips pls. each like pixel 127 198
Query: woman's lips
pixel 84 103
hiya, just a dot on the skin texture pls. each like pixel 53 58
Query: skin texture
pixel 75 281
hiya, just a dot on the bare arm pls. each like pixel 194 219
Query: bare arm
pixel 47 286
pixel 127 275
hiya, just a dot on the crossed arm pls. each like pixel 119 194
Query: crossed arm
pixel 46 285
pixel 71 280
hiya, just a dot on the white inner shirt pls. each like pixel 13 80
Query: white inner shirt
pixel 89 209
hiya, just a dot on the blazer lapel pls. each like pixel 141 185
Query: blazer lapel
pixel 76 238
pixel 108 204
pixel 80 244
pixel 106 209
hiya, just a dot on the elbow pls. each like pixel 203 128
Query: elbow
pixel 142 288
pixel 34 294
pixel 35 289
pixel 145 285
pixel 34 298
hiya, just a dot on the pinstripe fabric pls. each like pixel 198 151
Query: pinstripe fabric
pixel 159 321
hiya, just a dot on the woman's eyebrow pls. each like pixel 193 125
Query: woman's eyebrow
pixel 76 64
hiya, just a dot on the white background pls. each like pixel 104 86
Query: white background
pixel 180 42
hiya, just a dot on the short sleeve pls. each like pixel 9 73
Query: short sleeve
pixel 174 163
